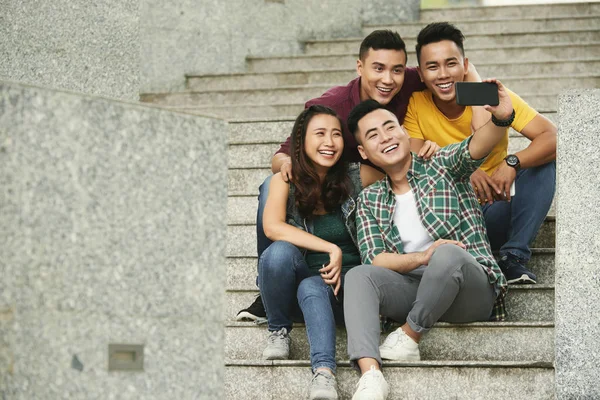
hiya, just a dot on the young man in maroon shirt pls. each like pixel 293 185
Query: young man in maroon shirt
pixel 382 76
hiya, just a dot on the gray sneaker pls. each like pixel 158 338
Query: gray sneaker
pixel 278 345
pixel 323 386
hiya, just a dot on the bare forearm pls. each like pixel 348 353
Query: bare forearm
pixel 297 237
pixel 480 118
pixel 540 151
pixel 278 160
pixel 484 140
pixel 399 262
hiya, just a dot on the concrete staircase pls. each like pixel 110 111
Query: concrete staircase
pixel 537 51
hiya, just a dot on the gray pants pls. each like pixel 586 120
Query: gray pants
pixel 453 287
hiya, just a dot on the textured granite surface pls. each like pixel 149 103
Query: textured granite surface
pixel 180 37
pixel 72 44
pixel 111 233
pixel 578 247
pixel 246 341
pixel 291 382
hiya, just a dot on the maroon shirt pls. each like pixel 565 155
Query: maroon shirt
pixel 342 99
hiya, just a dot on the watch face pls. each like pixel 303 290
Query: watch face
pixel 512 160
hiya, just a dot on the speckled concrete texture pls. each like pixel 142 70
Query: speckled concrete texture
pixel 578 247
pixel 469 342
pixel 72 44
pixel 428 382
pixel 112 232
pixel 180 37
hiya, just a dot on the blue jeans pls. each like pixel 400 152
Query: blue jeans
pixel 511 227
pixel 262 241
pixel 287 286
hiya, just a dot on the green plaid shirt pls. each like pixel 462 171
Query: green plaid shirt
pixel 446 204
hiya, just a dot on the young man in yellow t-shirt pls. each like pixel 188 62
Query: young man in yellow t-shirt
pixel 512 223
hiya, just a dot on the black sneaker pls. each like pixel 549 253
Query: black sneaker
pixel 255 312
pixel 514 271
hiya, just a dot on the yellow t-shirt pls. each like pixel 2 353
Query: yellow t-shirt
pixel 425 121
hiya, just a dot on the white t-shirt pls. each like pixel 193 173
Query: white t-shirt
pixel 413 234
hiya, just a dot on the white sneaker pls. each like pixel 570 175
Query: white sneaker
pixel 372 386
pixel 399 346
pixel 278 345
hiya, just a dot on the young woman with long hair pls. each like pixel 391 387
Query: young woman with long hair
pixel 312 224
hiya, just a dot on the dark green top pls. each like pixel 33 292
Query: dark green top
pixel 330 227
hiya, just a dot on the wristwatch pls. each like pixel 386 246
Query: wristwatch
pixel 513 161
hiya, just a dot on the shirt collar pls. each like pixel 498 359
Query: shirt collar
pixel 416 168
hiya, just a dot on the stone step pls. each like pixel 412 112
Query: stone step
pixel 523 302
pixel 542 102
pixel 500 25
pixel 440 380
pixel 460 342
pixel 302 93
pixel 241 239
pixel 504 70
pixel 515 53
pixel 241 271
pixel 259 155
pixel 515 11
pixel 352 45
pixel 277 130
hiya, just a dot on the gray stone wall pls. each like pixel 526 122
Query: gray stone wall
pixel 89 47
pixel 214 37
pixel 121 48
pixel 113 221
pixel 578 247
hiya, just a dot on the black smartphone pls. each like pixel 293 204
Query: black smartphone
pixel 476 94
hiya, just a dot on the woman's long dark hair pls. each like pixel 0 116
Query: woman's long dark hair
pixel 336 186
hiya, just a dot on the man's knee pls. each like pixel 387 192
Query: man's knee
pixel 446 259
pixel 358 277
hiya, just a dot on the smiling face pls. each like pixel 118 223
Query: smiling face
pixel 441 65
pixel 323 143
pixel 382 74
pixel 383 141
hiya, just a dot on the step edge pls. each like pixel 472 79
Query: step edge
pixel 393 364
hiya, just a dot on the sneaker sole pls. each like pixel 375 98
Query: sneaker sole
pixel 246 316
pixel 275 357
pixel 393 357
pixel 323 396
pixel 522 280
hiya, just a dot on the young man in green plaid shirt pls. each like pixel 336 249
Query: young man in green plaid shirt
pixel 422 240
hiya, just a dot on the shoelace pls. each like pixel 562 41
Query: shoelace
pixel 323 377
pixel 280 334
pixel 366 379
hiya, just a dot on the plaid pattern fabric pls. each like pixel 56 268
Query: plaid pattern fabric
pixel 446 204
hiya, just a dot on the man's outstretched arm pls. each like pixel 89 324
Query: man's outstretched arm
pixel 485 138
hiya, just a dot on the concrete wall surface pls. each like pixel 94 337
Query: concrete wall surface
pixel 578 247
pixel 112 231
pixel 89 47
pixel 214 37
